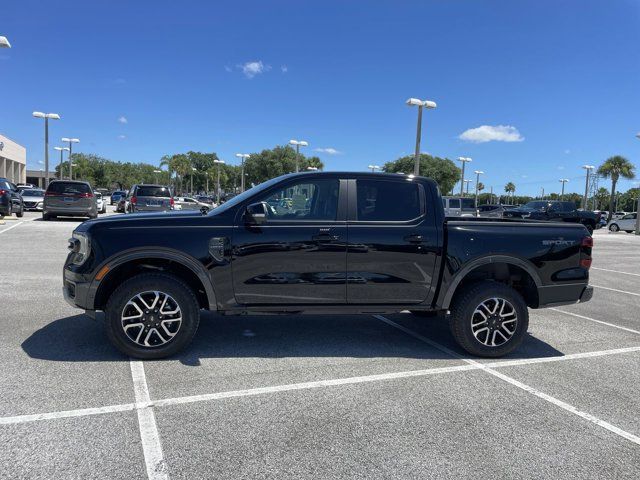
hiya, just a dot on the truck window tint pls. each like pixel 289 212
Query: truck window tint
pixel 307 200
pixel 380 200
pixel 468 204
pixel 454 203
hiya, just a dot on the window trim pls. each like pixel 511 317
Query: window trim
pixel 352 216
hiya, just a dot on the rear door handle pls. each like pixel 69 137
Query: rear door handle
pixel 414 238
pixel 324 237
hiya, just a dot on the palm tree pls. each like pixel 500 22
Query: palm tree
pixel 613 168
pixel 510 188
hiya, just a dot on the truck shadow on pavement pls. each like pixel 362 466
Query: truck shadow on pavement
pixel 80 339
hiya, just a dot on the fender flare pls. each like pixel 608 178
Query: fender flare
pixel 462 273
pixel 161 254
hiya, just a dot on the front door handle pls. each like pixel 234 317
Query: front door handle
pixel 414 238
pixel 324 237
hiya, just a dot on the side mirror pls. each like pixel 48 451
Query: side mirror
pixel 256 213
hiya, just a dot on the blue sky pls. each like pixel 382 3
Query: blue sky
pixel 137 80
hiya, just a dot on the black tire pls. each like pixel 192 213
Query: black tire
pixel 465 304
pixel 168 284
pixel 45 217
pixel 20 213
pixel 629 231
pixel 614 227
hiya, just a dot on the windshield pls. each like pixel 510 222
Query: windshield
pixel 247 194
pixel 63 188
pixel 33 193
pixel 535 205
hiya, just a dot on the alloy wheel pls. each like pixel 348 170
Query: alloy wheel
pixel 151 319
pixel 494 322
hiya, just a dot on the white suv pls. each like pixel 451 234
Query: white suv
pixel 626 223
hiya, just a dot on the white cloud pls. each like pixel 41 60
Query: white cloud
pixel 123 119
pixel 284 68
pixel 251 69
pixel 227 68
pixel 121 137
pixel 567 151
pixel 488 133
pixel 329 150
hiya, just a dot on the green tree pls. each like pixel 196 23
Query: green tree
pixel 628 201
pixel 614 168
pixel 442 170
pixel 271 163
pixel 510 189
pixel 601 197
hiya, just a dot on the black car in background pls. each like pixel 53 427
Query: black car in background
pixel 555 211
pixel 116 196
pixel 10 199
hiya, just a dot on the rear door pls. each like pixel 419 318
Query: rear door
pixel 71 196
pixel 392 248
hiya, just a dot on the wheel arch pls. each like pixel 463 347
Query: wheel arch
pixel 513 271
pixel 130 263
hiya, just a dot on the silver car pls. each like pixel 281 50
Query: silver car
pixel 190 203
pixel 67 198
pixel 33 199
pixel 149 198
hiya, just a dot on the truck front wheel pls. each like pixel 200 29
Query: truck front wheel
pixel 152 315
pixel 489 319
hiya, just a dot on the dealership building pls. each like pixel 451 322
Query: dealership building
pixel 13 160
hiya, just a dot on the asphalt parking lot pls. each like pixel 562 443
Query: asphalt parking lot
pixel 316 396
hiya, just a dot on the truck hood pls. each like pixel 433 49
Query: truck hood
pixel 141 219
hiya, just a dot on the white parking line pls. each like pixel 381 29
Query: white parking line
pixel 154 460
pixel 9 228
pixel 512 381
pixel 596 321
pixel 616 290
pixel 615 271
pixel 143 391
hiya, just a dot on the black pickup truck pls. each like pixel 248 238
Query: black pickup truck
pixel 555 211
pixel 323 242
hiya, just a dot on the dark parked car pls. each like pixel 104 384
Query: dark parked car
pixel 68 198
pixel 10 199
pixel 149 198
pixel 346 243
pixel 490 211
pixel 555 211
pixel 117 196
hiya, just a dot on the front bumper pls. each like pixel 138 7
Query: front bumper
pixel 568 294
pixel 77 290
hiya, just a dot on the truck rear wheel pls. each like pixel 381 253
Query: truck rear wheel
pixel 152 315
pixel 489 319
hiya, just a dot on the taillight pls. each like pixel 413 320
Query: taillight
pixel 585 247
pixel 585 263
pixel 171 202
pixel 2 192
pixel 587 242
pixel 50 194
pixel 134 200
pixel 86 195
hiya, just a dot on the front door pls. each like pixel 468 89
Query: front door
pixel 392 242
pixel 298 255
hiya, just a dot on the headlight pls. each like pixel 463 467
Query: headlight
pixel 80 245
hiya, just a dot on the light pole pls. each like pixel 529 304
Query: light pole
pixel 218 162
pixel 73 165
pixel 478 173
pixel 61 149
pixel 243 157
pixel 463 160
pixel 416 102
pixel 298 144
pixel 46 116
pixel 491 194
pixel 542 197
pixel 4 43
pixel 157 172
pixel 638 205
pixel 192 172
pixel 374 167
pixel 585 199
pixel 563 181
pixel 467 182
pixel 70 141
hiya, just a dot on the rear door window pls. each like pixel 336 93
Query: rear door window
pixel 454 203
pixel 388 201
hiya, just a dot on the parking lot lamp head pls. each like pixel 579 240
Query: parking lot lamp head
pixel 4 43
pixel 429 104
